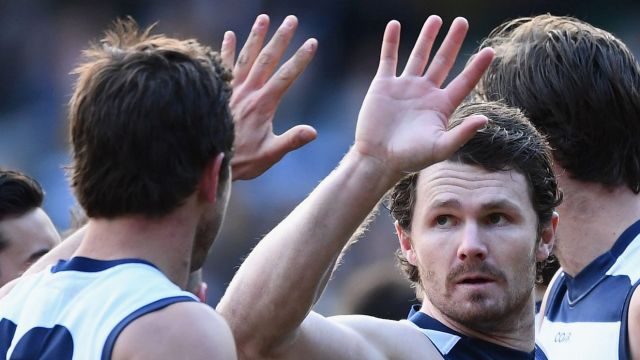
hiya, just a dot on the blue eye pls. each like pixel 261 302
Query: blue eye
pixel 443 220
pixel 496 219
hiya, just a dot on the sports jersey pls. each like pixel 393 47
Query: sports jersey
pixel 453 345
pixel 586 315
pixel 76 309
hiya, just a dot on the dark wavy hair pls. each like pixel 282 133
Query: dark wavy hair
pixel 579 85
pixel 147 114
pixel 507 142
pixel 19 194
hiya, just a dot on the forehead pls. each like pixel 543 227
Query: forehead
pixel 31 229
pixel 448 181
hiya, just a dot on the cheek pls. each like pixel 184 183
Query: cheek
pixel 434 258
pixel 519 262
pixel 513 251
pixel 517 242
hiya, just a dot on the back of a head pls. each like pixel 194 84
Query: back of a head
pixel 147 114
pixel 579 85
pixel 19 194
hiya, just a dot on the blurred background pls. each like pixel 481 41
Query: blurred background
pixel 41 41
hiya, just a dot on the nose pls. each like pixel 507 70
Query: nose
pixel 471 245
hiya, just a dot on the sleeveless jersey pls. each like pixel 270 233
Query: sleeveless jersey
pixel 586 316
pixel 453 345
pixel 76 309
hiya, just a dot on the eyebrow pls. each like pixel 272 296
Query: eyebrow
pixel 447 203
pixel 37 255
pixel 492 205
pixel 501 204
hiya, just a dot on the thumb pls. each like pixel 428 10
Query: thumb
pixel 295 138
pixel 456 137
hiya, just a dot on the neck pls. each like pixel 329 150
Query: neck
pixel 592 217
pixel 515 331
pixel 166 242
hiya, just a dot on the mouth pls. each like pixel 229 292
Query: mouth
pixel 475 280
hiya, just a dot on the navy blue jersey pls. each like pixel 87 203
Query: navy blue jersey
pixel 456 346
pixel 586 315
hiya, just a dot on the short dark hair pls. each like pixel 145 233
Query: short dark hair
pixel 579 85
pixel 147 114
pixel 507 142
pixel 19 194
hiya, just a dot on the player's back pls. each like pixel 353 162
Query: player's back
pixel 77 308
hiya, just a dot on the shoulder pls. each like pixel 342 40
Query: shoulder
pixel 548 297
pixel 634 324
pixel 347 337
pixel 396 339
pixel 4 290
pixel 15 291
pixel 184 328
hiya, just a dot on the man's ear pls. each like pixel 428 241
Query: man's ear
pixel 210 179
pixel 547 238
pixel 201 292
pixel 404 237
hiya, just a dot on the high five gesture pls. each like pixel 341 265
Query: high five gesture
pixel 402 127
pixel 403 119
pixel 257 91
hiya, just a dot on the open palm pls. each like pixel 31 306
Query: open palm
pixel 257 91
pixel 403 119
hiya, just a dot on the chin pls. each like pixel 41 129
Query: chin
pixel 478 307
pixel 487 312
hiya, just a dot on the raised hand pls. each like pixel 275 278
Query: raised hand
pixel 257 91
pixel 403 119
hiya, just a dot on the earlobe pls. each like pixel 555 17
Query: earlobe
pixel 404 237
pixel 547 238
pixel 211 179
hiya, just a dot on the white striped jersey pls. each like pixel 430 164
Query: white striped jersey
pixel 76 309
pixel 586 315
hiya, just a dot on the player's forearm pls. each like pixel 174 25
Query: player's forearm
pixel 277 285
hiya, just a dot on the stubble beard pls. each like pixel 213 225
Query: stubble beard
pixel 482 310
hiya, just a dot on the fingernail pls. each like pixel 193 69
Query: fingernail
pixel 261 20
pixel 289 21
pixel 311 44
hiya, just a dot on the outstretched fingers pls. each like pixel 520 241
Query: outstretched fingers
pixel 389 51
pixel 270 56
pixel 457 90
pixel 420 54
pixel 448 52
pixel 462 85
pixel 275 88
pixel 251 48
pixel 228 49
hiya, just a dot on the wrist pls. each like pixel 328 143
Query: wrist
pixel 374 171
